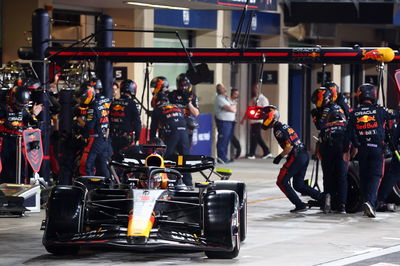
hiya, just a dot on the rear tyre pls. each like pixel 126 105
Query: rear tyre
pixel 354 199
pixel 395 195
pixel 240 189
pixel 222 225
pixel 64 216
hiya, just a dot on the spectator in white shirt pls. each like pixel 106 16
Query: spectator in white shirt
pixel 225 114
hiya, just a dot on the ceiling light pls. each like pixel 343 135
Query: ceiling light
pixel 154 6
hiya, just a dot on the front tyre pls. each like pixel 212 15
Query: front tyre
pixel 64 215
pixel 222 224
pixel 354 199
pixel 240 188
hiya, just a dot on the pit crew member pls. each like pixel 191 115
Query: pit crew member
pixel 14 118
pixel 125 121
pixel 367 129
pixel 171 119
pixel 296 162
pixel 96 128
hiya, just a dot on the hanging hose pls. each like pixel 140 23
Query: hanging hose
pixel 148 100
pixel 323 79
pixel 260 77
pixel 247 33
pixel 239 28
pixel 380 69
pixel 146 87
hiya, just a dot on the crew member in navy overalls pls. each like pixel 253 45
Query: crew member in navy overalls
pixel 392 175
pixel 334 150
pixel 367 132
pixel 332 144
pixel 73 143
pixel 14 118
pixel 98 87
pixel 187 100
pixel 171 119
pixel 97 130
pixel 125 121
pixel 296 162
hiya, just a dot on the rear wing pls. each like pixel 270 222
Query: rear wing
pixel 181 163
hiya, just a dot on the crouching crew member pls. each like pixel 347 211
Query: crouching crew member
pixel 366 126
pixel 296 162
pixel 125 121
pixel 332 145
pixel 14 118
pixel 96 128
pixel 170 118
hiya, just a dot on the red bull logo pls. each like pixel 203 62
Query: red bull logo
pixel 365 119
pixel 118 107
pixel 380 54
pixel 16 124
pixel 104 113
pixel 313 54
pixel 32 137
pixel 366 122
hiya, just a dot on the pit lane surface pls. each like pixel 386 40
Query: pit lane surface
pixel 275 236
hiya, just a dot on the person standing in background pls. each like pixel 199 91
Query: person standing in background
pixel 234 141
pixel 116 91
pixel 258 99
pixel 225 114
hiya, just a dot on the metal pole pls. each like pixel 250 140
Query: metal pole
pixel 104 67
pixel 18 160
pixel 40 33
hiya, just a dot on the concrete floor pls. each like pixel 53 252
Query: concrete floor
pixel 275 236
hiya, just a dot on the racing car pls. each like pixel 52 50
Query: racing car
pixel 149 208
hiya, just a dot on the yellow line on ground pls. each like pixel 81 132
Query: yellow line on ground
pixel 262 200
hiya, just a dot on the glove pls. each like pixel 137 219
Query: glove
pixel 186 97
pixel 277 159
pixel 314 114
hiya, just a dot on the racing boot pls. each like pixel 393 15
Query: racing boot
pixel 342 209
pixel 369 210
pixel 314 203
pixel 300 208
pixel 381 206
